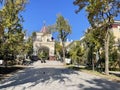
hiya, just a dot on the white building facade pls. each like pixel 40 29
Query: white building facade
pixel 44 39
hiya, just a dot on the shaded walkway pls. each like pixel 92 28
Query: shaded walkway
pixel 54 76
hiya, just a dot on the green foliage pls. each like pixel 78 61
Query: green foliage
pixel 10 13
pixel 11 30
pixel 58 49
pixel 28 46
pixel 76 53
pixel 43 53
pixel 101 15
pixel 99 11
pixel 94 43
pixel 63 28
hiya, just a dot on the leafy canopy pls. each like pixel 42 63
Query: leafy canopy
pixel 100 12
pixel 62 27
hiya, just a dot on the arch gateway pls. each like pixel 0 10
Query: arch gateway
pixel 44 39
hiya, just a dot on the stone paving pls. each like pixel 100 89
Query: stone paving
pixel 54 76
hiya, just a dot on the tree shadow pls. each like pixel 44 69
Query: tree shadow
pixel 100 84
pixel 31 77
pixel 35 76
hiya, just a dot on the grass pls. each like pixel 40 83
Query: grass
pixel 100 74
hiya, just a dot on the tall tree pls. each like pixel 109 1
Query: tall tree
pixel 94 40
pixel 101 15
pixel 11 21
pixel 92 45
pixel 64 30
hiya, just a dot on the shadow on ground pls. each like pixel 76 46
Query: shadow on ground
pixel 35 76
pixel 38 75
pixel 100 84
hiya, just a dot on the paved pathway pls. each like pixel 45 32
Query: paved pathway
pixel 54 76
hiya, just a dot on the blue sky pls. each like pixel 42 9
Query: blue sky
pixel 38 11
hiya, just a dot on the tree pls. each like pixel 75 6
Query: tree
pixel 11 22
pixel 92 46
pixel 101 15
pixel 58 50
pixel 10 17
pixel 43 53
pixel 64 29
pixel 76 53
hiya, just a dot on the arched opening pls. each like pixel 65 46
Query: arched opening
pixel 43 53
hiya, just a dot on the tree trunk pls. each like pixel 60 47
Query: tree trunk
pixel 93 65
pixel 107 55
pixel 63 49
pixel 92 59
pixel 119 59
